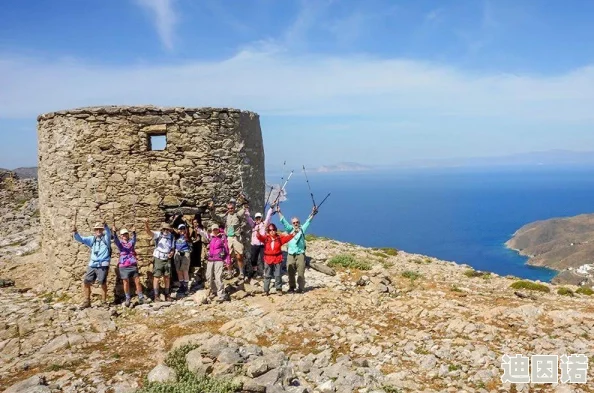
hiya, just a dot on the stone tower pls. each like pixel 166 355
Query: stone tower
pixel 132 163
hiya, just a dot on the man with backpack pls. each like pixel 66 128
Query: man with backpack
pixel 296 249
pixel 98 268
pixel 164 250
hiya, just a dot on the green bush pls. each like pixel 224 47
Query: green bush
pixel 349 262
pixel 187 381
pixel 411 275
pixel 379 255
pixel 470 273
pixel 531 286
pixel 565 292
pixel 585 291
pixel 389 251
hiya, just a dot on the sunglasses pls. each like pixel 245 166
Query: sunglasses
pixel 271 229
pixel 295 222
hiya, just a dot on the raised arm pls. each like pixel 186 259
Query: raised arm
pixel 117 242
pixel 288 227
pixel 268 217
pixel 87 240
pixel 287 238
pixel 213 214
pixel 249 219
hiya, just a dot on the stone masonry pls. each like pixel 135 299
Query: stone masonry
pixel 100 162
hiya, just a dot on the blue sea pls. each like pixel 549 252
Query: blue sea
pixel 457 215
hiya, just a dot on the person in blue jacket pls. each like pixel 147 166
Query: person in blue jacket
pixel 98 268
pixel 296 249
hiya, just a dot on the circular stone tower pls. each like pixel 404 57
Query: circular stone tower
pixel 131 163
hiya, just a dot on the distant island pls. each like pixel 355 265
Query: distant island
pixel 343 167
pixel 562 244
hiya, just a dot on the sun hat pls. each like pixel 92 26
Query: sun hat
pixel 123 231
pixel 258 215
pixel 214 226
pixel 98 225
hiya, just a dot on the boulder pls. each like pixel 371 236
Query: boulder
pixel 162 373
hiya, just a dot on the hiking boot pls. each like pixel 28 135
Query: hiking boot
pixel 85 304
pixel 291 290
pixel 265 293
pixel 219 300
pixel 141 301
pixel 279 293
pixel 299 291
pixel 128 302
pixel 168 298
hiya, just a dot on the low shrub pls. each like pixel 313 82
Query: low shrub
pixel 585 291
pixel 531 286
pixel 389 251
pixel 348 261
pixel 565 292
pixel 186 380
pixel 411 275
pixel 471 273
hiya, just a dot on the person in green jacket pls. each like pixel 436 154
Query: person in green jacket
pixel 296 249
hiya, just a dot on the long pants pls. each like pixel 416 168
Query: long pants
pixel 214 275
pixel 269 271
pixel 296 264
pixel 255 260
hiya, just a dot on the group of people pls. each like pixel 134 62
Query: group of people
pixel 207 254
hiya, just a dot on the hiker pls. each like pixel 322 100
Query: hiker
pixel 98 268
pixel 258 226
pixel 183 248
pixel 127 263
pixel 296 250
pixel 273 256
pixel 175 220
pixel 217 252
pixel 233 223
pixel 164 250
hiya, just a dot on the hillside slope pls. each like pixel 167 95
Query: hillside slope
pixel 385 322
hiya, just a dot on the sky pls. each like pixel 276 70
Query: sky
pixel 374 81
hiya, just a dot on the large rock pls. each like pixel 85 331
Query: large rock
pixel 35 384
pixel 198 364
pixel 162 373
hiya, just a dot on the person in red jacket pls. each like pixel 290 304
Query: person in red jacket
pixel 273 256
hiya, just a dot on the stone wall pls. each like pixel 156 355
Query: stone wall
pixel 97 162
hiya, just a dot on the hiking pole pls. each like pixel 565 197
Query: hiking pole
pixel 269 195
pixel 309 186
pixel 283 188
pixel 322 201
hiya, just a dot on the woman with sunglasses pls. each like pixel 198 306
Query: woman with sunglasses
pixel 273 256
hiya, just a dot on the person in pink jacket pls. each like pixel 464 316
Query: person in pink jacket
pixel 218 251
pixel 257 247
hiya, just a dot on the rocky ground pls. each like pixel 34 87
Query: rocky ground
pixel 385 322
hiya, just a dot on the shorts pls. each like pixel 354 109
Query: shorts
pixel 128 272
pixel 96 274
pixel 235 246
pixel 182 262
pixel 161 267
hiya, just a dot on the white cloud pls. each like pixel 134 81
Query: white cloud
pixel 164 18
pixel 275 82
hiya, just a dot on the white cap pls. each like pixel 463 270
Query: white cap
pixel 258 215
pixel 123 231
pixel 181 226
